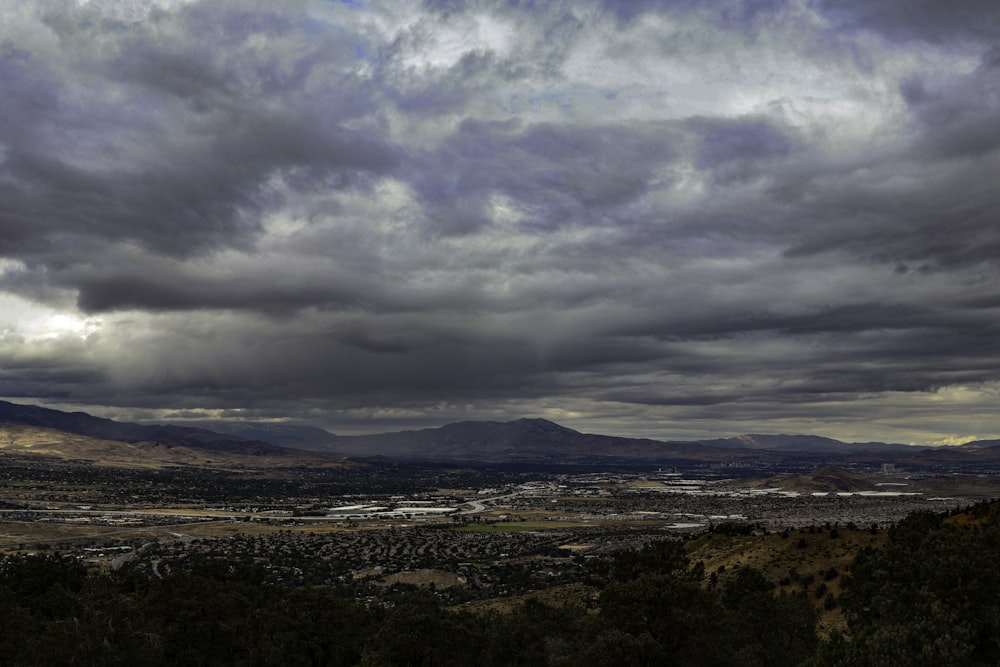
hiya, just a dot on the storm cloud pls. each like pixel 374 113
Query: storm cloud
pixel 668 219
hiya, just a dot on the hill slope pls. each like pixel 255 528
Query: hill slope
pixel 33 430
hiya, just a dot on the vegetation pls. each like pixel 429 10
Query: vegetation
pixel 931 597
pixel 929 594
pixel 652 609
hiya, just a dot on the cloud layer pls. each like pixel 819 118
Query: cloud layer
pixel 666 219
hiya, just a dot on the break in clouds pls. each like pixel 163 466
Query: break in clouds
pixel 671 219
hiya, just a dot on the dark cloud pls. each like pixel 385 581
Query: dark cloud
pixel 904 20
pixel 931 215
pixel 732 215
pixel 958 117
pixel 559 175
pixel 724 142
pixel 180 161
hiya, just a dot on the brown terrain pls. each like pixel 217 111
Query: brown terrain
pixel 51 442
pixel 833 479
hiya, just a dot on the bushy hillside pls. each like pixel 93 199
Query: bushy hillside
pixel 808 562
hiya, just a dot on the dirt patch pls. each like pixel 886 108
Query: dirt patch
pixel 424 579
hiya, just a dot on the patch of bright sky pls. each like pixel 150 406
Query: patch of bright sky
pixel 955 440
pixel 509 235
pixel 450 41
pixel 851 102
pixel 302 213
pixel 944 416
pixel 506 230
pixel 34 322
pixel 846 421
pixel 31 321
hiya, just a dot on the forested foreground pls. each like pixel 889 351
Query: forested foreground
pixel 931 597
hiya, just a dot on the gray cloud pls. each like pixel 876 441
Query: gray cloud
pixel 923 20
pixel 649 218
pixel 957 117
pixel 180 160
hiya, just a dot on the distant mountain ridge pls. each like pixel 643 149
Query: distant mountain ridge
pixel 521 440
pixel 539 440
pixel 473 439
pixel 528 440
pixel 980 444
pixel 802 443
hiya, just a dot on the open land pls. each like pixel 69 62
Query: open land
pixel 481 537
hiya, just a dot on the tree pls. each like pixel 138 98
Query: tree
pixel 931 597
pixel 417 631
pixel 765 629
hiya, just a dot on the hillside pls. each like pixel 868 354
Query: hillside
pixel 81 423
pixel 813 562
pixel 37 441
pixel 799 562
pixel 32 430
pixel 828 479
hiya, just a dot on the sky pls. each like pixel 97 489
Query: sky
pixel 672 219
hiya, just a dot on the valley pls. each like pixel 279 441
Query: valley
pixel 472 533
pixel 482 541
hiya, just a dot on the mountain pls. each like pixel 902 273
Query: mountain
pixel 802 443
pixel 522 440
pixel 980 444
pixel 293 436
pixel 30 429
pixel 80 435
pixel 543 440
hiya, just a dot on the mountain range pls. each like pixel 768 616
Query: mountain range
pixel 33 429
pixel 542 440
